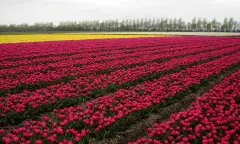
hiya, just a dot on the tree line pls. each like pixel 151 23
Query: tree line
pixel 143 24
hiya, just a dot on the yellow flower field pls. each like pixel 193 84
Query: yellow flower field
pixel 62 37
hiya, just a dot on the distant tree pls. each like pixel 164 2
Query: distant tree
pixel 171 24
pixel 180 24
pixel 219 25
pixel 189 26
pixel 165 24
pixel 175 25
pixel 225 24
pixel 122 26
pixel 214 24
pixel 134 25
pixel 157 24
pixel 235 26
pixel 161 25
pixel 204 24
pixel 194 24
pixel 209 26
pixel 230 24
pixel 138 25
pixel 153 24
pixel 4 28
pixel 143 24
pixel 199 24
pixel 238 27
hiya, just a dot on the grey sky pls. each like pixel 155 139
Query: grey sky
pixel 30 11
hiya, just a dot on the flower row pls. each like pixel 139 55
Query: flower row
pixel 214 118
pixel 75 123
pixel 71 53
pixel 84 86
pixel 40 65
pixel 63 37
pixel 47 49
pixel 9 82
pixel 75 51
pixel 37 50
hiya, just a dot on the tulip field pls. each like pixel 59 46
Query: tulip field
pixel 63 37
pixel 74 89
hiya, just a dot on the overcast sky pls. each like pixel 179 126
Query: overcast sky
pixel 30 11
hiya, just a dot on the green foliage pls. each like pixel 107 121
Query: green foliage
pixel 150 24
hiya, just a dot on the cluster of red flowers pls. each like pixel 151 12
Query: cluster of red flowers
pixel 73 124
pixel 85 62
pixel 83 86
pixel 214 118
pixel 46 49
pixel 41 66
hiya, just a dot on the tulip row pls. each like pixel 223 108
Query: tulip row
pixel 97 56
pixel 86 58
pixel 75 54
pixel 94 85
pixel 86 54
pixel 8 82
pixel 75 123
pixel 70 51
pixel 54 49
pixel 63 37
pixel 214 118
pixel 37 50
